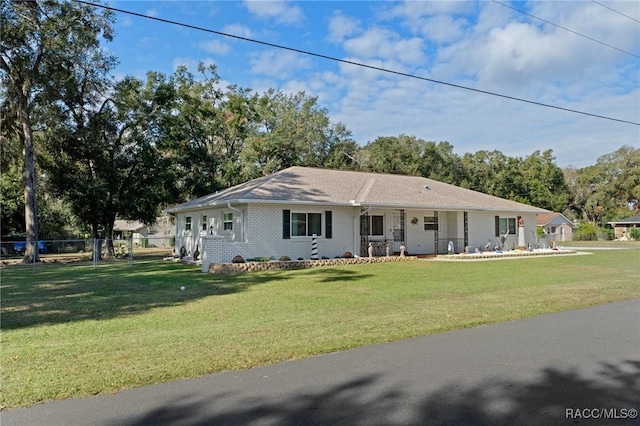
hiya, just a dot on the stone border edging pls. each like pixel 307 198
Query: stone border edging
pixel 504 255
pixel 236 268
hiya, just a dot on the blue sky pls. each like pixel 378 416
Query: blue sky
pixel 483 45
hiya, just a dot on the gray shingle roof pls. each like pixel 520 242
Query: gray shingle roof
pixel 127 225
pixel 626 221
pixel 553 218
pixel 306 185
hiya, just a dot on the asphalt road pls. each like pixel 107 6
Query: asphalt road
pixel 579 364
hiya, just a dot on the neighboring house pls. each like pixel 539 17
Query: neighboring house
pixel 277 215
pixel 130 229
pixel 160 234
pixel 556 226
pixel 623 226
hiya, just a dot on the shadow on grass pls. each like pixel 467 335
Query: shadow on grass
pixel 374 400
pixel 328 274
pixel 55 294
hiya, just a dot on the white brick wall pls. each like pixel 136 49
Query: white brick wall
pixel 264 232
pixel 260 226
pixel 482 229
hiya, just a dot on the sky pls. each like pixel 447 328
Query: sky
pixel 578 55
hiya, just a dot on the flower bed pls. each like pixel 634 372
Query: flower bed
pixel 235 268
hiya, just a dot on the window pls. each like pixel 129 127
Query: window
pixel 187 223
pixel 204 222
pixel 430 223
pixel 504 224
pixel 306 224
pixel 377 225
pixel 227 221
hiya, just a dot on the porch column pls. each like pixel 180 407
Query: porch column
pixel 466 230
pixel 521 237
pixel 435 238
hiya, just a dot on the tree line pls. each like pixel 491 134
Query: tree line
pixel 80 148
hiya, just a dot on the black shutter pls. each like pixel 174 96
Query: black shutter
pixel 497 226
pixel 286 224
pixel 328 227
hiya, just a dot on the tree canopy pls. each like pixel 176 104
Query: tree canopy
pixel 42 44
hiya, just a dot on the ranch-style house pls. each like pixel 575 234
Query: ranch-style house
pixel 279 215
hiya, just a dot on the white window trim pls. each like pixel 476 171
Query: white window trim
pixel 301 237
pixel 435 222
pixel 371 234
pixel 515 221
pixel 232 221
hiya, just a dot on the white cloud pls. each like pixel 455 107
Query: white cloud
pixel 412 10
pixel 506 51
pixel 152 13
pixel 342 26
pixel 215 46
pixel 443 29
pixel 382 43
pixel 278 63
pixel 439 21
pixel 472 122
pixel 491 47
pixel 238 30
pixel 279 10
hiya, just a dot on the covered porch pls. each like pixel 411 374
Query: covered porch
pixel 421 232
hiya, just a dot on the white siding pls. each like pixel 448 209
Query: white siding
pixel 257 231
pixel 482 229
pixel 193 239
pixel 264 232
pixel 419 241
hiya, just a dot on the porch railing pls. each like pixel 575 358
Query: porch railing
pixel 443 245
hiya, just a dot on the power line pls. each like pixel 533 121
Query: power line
pixel 566 29
pixel 616 11
pixel 344 61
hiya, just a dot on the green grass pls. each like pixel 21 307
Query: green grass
pixel 70 331
pixel 601 244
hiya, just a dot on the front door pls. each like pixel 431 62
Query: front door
pixel 399 236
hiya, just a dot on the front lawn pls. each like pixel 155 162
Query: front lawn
pixel 77 331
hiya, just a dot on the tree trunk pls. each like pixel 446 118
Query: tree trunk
pixel 29 175
pixel 109 240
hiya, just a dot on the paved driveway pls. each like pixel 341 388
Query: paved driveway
pixel 581 363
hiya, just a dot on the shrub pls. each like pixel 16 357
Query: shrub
pixel 237 259
pixel 258 259
pixel 284 258
pixel 347 255
pixel 586 232
pixel 635 233
pixel 608 234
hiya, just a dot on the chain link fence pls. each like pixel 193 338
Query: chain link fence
pixel 93 252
